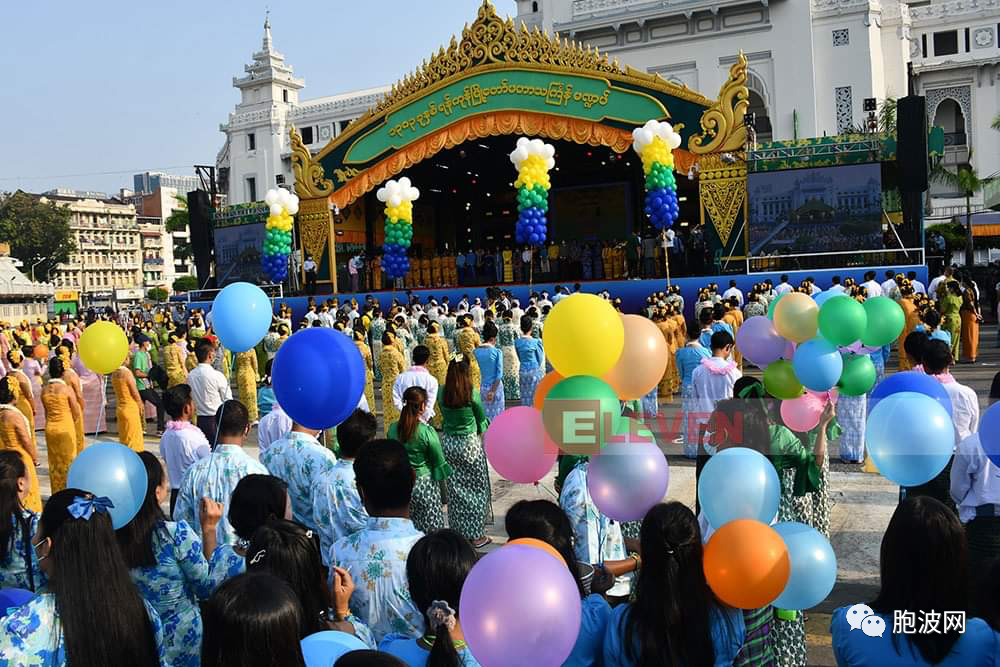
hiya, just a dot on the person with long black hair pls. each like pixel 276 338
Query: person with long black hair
pixel 436 570
pixel 252 620
pixel 93 613
pixel 15 436
pixel 924 570
pixel 167 564
pixel 18 561
pixel 290 551
pixel 674 618
pixel 544 520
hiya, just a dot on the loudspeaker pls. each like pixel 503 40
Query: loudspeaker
pixel 200 226
pixel 911 146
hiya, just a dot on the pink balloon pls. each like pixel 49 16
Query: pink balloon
pixel 789 350
pixel 802 414
pixel 824 396
pixel 759 342
pixel 517 447
pixel 628 478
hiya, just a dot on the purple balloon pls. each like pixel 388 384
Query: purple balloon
pixel 759 342
pixel 520 592
pixel 628 478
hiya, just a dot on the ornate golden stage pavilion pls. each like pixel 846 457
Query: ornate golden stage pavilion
pixel 501 80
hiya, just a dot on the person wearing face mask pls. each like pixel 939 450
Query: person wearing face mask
pixel 18 522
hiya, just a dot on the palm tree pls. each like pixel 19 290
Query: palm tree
pixel 178 222
pixel 996 122
pixel 965 179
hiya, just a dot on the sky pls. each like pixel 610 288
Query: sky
pixel 97 91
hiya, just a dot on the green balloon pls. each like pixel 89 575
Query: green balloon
pixel 842 320
pixel 780 380
pixel 885 322
pixel 774 304
pixel 579 413
pixel 858 376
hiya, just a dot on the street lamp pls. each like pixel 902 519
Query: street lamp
pixel 33 268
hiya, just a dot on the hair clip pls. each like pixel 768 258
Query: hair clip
pixel 83 507
pixel 440 613
pixel 258 557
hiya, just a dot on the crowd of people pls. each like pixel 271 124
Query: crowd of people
pixel 371 528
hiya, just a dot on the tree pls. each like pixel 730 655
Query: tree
pixel 965 179
pixel 157 294
pixel 185 284
pixel 38 233
pixel 886 119
pixel 178 221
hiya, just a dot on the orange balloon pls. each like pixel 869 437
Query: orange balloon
pixel 643 361
pixel 550 380
pixel 41 352
pixel 544 546
pixel 746 564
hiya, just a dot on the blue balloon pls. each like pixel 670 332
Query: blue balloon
pixel 914 381
pixel 12 598
pixel 115 471
pixel 534 238
pixel 322 649
pixel 818 364
pixel 241 316
pixel 813 566
pixel 738 483
pixel 910 438
pixel 989 433
pixel 823 297
pixel 318 377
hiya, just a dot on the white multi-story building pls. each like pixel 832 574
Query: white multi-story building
pixel 812 63
pixel 160 264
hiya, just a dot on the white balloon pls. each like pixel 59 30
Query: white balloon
pixel 293 208
pixel 413 194
pixel 646 136
pixel 276 209
pixel 675 141
pixel 381 193
pixel 522 141
pixel 271 197
pixel 537 145
pixel 550 151
pixel 650 125
pixel 395 200
pixel 549 163
pixel 521 154
pixel 404 182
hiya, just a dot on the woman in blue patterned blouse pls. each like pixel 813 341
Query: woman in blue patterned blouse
pixel 167 564
pixel 18 561
pixel 93 614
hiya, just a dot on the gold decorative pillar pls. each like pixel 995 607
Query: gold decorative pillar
pixel 315 223
pixel 722 189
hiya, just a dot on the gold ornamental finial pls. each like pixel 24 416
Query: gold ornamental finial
pixel 722 124
pixel 310 180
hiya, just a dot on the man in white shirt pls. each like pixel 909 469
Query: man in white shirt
pixel 417 375
pixel 311 315
pixel 918 287
pixel 975 481
pixel 182 443
pixel 783 286
pixel 943 278
pixel 273 426
pixel 813 287
pixel 872 286
pixel 964 402
pixel 310 268
pixel 544 301
pixel 733 291
pixel 478 314
pixel 836 287
pixel 209 388
pixel 299 459
pixel 325 316
pixel 714 378
pixel 889 284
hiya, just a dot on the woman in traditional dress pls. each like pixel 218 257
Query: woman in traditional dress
pixel 950 306
pixel 366 356
pixel 506 338
pixel 437 364
pixel 376 330
pixel 61 409
pixel 687 359
pixel 464 422
pixel 64 351
pixel 405 342
pixel 490 361
pixel 391 365
pixel 23 401
pixel 128 409
pixel 246 382
pixel 466 341
pixel 666 326
pixel 971 318
pixel 531 361
pixel 426 458
pixel 173 360
pixel 15 436
pixel 912 319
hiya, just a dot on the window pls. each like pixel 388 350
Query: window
pixel 841 37
pixel 251 188
pixel 946 43
pixel 534 7
pixel 251 141
pixel 284 95
pixel 844 108
pixel 307 135
pixel 923 46
pixel 966 40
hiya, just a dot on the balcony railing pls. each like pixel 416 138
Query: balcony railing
pixel 955 139
pixel 991 193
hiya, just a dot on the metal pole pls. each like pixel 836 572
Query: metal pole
pixel 666 264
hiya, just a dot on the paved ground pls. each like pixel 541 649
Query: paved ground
pixel 863 503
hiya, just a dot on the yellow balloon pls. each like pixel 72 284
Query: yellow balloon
pixel 583 335
pixel 103 347
pixel 796 317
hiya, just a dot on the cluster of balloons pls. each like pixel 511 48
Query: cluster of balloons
pixel 278 235
pixel 749 563
pixel 533 158
pixel 398 197
pixel 654 142
pixel 810 348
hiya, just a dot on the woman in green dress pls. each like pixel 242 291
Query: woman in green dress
pixel 950 306
pixel 426 459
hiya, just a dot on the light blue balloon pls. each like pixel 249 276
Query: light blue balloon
pixel 322 649
pixel 910 438
pixel 115 471
pixel 738 483
pixel 817 364
pixel 813 566
pixel 823 297
pixel 241 316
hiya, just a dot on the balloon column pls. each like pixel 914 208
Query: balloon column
pixel 398 197
pixel 654 143
pixel 533 158
pixel 278 235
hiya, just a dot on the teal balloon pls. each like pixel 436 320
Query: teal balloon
pixel 818 364
pixel 842 320
pixel 774 304
pixel 580 413
pixel 885 321
pixel 739 483
pixel 910 437
pixel 813 566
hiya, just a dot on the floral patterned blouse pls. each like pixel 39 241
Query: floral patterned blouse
pixel 14 569
pixel 299 459
pixel 336 507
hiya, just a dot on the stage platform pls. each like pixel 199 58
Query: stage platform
pixel 633 293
